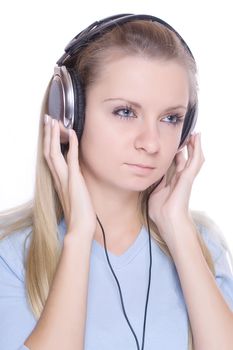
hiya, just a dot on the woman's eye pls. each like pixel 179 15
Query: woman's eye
pixel 174 119
pixel 128 113
pixel 124 112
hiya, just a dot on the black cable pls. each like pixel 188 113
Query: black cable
pixel 148 289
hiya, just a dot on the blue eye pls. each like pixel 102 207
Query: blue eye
pixel 127 113
pixel 124 112
pixel 174 119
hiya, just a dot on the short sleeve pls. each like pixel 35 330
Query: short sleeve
pixel 221 258
pixel 17 320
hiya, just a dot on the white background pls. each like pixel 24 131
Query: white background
pixel 33 35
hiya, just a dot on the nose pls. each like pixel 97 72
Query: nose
pixel 148 138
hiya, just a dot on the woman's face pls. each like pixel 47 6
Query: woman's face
pixel 131 118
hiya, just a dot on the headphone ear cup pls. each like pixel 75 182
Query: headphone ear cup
pixel 79 103
pixel 189 125
pixel 60 101
pixel 66 102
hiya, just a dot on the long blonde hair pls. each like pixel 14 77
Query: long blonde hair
pixel 43 213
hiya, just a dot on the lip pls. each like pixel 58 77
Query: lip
pixel 142 166
pixel 140 169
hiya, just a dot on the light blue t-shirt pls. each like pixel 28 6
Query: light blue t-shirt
pixel 106 326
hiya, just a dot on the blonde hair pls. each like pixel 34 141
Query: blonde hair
pixel 44 212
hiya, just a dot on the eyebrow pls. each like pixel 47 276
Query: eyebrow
pixel 140 107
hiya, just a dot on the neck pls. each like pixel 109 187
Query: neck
pixel 118 211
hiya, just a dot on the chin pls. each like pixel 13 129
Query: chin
pixel 139 187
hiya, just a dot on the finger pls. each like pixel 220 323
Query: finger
pixel 46 149
pixel 72 155
pixel 193 165
pixel 60 167
pixel 75 177
pixel 190 149
pixel 180 161
pixel 56 156
pixel 190 155
pixel 196 156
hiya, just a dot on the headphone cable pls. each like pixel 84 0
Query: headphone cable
pixel 148 289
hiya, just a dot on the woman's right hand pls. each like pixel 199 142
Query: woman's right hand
pixel 69 182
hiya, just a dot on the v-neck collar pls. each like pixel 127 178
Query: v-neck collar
pixel 119 261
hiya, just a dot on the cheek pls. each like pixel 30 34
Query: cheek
pixel 100 132
pixel 98 144
pixel 170 149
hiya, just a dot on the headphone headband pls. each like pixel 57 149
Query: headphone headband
pixel 97 28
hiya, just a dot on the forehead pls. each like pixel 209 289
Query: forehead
pixel 143 78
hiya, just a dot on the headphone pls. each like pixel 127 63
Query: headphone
pixel 66 103
pixel 66 98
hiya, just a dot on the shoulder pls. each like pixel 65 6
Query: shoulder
pixel 13 249
pixel 212 235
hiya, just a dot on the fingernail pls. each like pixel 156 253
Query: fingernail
pixel 53 122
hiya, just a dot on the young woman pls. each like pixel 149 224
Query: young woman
pixel 76 269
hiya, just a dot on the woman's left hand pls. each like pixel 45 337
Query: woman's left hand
pixel 169 204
